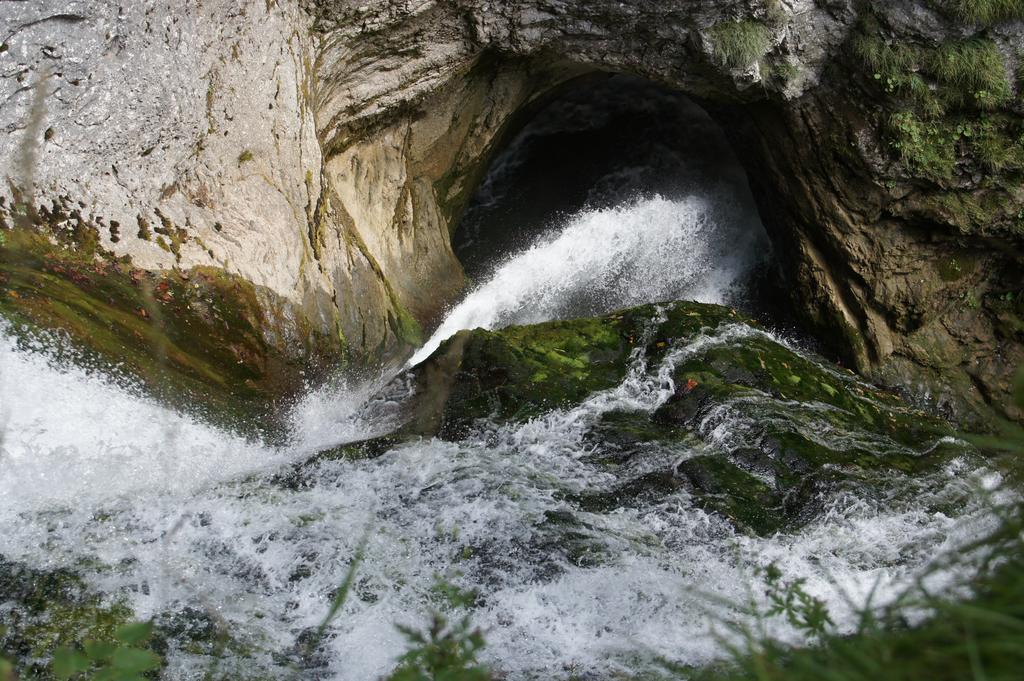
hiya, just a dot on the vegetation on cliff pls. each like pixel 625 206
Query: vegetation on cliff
pixel 950 103
pixel 739 44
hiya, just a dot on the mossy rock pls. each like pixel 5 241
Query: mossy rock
pixel 724 488
pixel 518 373
pixel 303 474
pixel 756 365
pixel 800 429
pixel 200 339
pixel 43 610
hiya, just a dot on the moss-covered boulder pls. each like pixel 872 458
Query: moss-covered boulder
pixel 787 431
pixel 50 615
pixel 752 429
pixel 45 610
pixel 521 372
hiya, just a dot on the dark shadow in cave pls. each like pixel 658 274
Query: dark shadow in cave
pixel 601 141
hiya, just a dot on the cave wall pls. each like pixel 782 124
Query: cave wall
pixel 323 150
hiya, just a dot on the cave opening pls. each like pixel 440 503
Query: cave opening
pixel 615 191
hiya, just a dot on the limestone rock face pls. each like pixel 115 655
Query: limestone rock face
pixel 324 150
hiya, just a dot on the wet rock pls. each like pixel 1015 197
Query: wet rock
pixel 522 372
pixel 303 474
pixel 42 610
pixel 201 340
pixel 753 431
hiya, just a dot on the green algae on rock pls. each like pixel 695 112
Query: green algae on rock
pixel 200 339
pixel 47 612
pixel 44 610
pixel 521 372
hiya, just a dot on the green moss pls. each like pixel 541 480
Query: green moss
pixel 522 372
pixel 786 402
pixel 52 616
pixel 739 43
pixel 171 237
pixel 245 157
pixel 978 212
pixel 720 486
pixel 193 338
pixel 405 327
pixel 143 232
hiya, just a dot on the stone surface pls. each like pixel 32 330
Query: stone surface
pixel 323 150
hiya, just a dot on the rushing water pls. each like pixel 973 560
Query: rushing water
pixel 170 512
pixel 696 248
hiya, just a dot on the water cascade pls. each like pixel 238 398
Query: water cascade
pixel 186 522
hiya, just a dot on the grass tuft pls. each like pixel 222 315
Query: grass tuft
pixel 740 43
pixel 988 12
pixel 974 69
pixel 884 58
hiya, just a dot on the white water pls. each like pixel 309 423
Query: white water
pixel 695 248
pixel 173 512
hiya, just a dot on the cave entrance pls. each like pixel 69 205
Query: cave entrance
pixel 614 191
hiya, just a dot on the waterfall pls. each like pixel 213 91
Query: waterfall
pixel 698 248
pixel 162 509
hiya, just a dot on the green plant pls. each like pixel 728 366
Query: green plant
pixel 970 299
pixel 340 595
pixel 883 58
pixel 785 71
pixel 925 146
pixel 788 598
pixel 996 146
pixel 6 666
pixel 739 43
pixel 980 637
pixel 973 70
pixel 446 650
pixel 774 12
pixel 947 102
pixel 987 12
pixel 124 659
